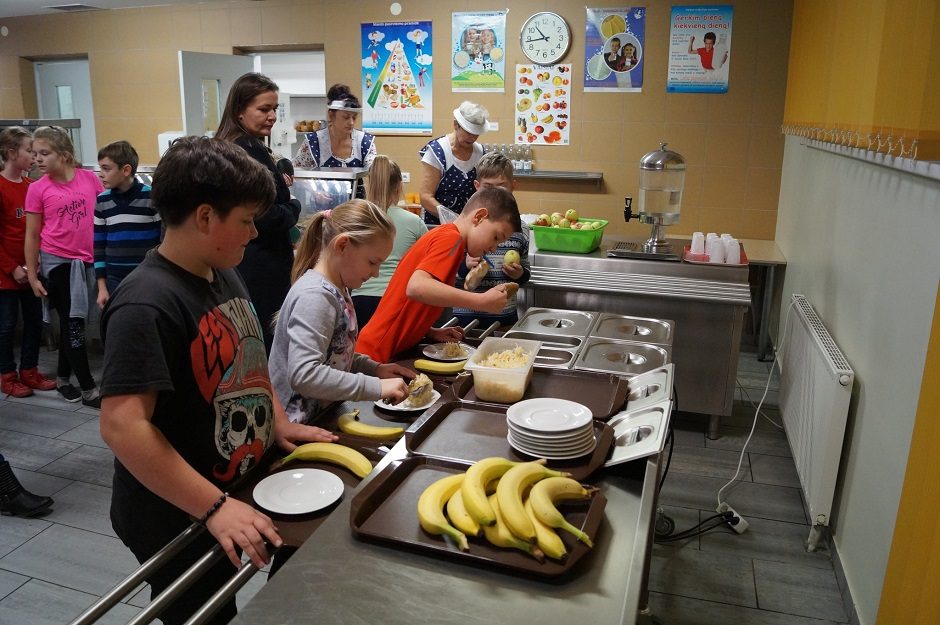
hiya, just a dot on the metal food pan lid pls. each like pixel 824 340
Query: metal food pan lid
pixel 630 328
pixel 621 357
pixel 639 433
pixel 555 321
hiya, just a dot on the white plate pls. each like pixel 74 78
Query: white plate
pixel 547 414
pixel 436 351
pixel 405 406
pixel 552 455
pixel 298 491
pixel 542 441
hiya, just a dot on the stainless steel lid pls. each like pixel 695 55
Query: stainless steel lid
pixel 661 159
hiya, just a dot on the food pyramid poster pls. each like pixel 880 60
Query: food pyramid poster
pixel 396 78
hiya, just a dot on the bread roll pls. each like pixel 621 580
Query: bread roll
pixel 475 276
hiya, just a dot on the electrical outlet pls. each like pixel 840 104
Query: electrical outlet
pixel 736 522
pixel 406 176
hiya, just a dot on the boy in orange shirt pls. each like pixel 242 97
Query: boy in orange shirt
pixel 423 283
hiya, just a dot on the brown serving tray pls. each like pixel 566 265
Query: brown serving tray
pixel 385 510
pixel 297 528
pixel 468 432
pixel 604 395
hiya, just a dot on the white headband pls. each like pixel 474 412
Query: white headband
pixel 469 126
pixel 344 105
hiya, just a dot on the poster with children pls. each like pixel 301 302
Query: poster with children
pixel 613 49
pixel 478 51
pixel 699 49
pixel 543 104
pixel 396 78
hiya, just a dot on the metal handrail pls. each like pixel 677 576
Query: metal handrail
pixel 184 581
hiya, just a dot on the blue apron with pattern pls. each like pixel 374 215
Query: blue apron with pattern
pixel 455 187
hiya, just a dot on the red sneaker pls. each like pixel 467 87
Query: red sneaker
pixel 10 385
pixel 33 379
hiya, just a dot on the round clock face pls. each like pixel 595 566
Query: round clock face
pixel 545 38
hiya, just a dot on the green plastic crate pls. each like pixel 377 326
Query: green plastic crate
pixel 567 240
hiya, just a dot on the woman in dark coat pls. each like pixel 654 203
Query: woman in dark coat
pixel 250 113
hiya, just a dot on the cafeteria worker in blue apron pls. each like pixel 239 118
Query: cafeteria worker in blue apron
pixel 449 162
pixel 340 144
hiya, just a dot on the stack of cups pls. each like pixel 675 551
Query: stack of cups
pixel 715 248
pixel 698 243
pixel 732 250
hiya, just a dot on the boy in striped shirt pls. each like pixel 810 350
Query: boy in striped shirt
pixel 126 227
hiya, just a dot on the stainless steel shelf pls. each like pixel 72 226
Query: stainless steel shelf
pixel 563 176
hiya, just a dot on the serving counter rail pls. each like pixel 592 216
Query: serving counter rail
pixel 706 302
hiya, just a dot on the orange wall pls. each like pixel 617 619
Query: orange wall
pixel 732 142
pixel 869 66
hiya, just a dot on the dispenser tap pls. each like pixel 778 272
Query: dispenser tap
pixel 627 212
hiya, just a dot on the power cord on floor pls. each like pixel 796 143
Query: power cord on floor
pixel 754 406
pixel 740 525
pixel 720 520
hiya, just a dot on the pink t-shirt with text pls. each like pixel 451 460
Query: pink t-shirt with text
pixel 68 214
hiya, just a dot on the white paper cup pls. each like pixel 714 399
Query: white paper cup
pixel 698 243
pixel 715 249
pixel 732 252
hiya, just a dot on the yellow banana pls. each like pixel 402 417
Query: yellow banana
pixel 333 453
pixel 544 495
pixel 350 424
pixel 459 517
pixel 509 491
pixel 479 475
pixel 547 539
pixel 499 535
pixel 442 368
pixel 431 509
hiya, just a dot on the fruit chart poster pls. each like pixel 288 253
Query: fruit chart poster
pixel 613 49
pixel 478 52
pixel 396 78
pixel 699 49
pixel 543 104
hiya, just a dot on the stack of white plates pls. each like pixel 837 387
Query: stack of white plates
pixel 554 429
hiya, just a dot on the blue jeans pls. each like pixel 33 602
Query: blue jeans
pixel 11 301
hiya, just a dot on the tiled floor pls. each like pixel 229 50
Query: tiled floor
pixel 53 567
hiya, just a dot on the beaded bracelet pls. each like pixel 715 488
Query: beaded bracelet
pixel 215 507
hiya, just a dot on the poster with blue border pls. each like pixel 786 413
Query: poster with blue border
pixel 614 42
pixel 397 78
pixel 478 51
pixel 699 49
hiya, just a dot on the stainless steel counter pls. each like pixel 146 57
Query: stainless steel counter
pixel 336 579
pixel 706 302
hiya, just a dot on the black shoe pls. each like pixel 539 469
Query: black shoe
pixel 92 403
pixel 16 500
pixel 69 393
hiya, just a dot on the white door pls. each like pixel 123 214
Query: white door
pixel 63 89
pixel 205 80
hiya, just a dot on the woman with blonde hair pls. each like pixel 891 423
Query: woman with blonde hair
pixel 313 360
pixel 385 190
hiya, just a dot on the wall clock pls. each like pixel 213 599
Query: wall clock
pixel 545 38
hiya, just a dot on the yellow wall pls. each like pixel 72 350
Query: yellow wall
pixel 869 66
pixel 910 592
pixel 732 142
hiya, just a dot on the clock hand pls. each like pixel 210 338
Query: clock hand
pixel 540 32
pixel 534 40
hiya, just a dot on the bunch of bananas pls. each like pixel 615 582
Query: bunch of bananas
pixel 512 504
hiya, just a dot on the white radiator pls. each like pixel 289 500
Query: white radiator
pixel 815 388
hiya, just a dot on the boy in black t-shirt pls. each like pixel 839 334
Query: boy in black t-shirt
pixel 187 405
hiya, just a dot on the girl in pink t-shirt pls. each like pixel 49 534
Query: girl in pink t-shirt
pixel 59 246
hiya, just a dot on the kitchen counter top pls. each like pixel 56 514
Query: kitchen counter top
pixel 336 579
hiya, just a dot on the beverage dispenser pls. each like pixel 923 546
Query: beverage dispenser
pixel 659 203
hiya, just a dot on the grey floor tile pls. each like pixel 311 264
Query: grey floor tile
pixel 751 395
pixel 683 518
pixel 41 603
pixel 250 589
pixel 778 503
pixel 15 531
pixel 676 610
pixel 73 558
pixel 688 434
pixel 710 576
pixel 801 590
pixel 86 464
pixel 766 440
pixel 774 470
pixel 747 361
pixel 140 598
pixel 84 506
pixel 88 433
pixel 38 420
pixel 10 581
pixel 710 462
pixel 769 540
pixel 757 381
pixel 28 451
pixel 46 399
